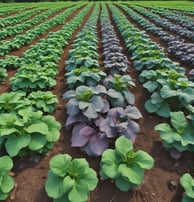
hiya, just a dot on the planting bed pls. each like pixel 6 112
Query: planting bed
pixel 161 183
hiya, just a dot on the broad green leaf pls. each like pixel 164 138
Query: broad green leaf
pixel 90 178
pixel 60 164
pixel 109 164
pixel 8 131
pixel 167 133
pixel 68 184
pixel 113 93
pixel 133 174
pixel 188 183
pixel 7 184
pixel 150 107
pixel 37 128
pixel 54 186
pixel 164 110
pixel 150 86
pixel 79 193
pixel 6 164
pixel 178 121
pixel 123 145
pixel 166 92
pixel 144 160
pixel 79 166
pixel 123 184
pixel 37 142
pixel 15 143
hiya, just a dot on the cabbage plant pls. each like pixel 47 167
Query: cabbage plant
pixel 121 121
pixel 13 101
pixel 187 182
pixel 70 180
pixel 84 76
pixel 178 135
pixel 6 182
pixel 43 100
pixel 125 166
pixel 87 100
pixel 176 94
pixel 118 86
pixel 29 131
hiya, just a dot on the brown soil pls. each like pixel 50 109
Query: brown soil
pixel 160 183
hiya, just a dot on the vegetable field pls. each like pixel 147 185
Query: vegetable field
pixel 97 102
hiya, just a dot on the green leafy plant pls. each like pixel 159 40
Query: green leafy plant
pixel 13 101
pixel 29 131
pixel 177 135
pixel 187 182
pixel 177 93
pixel 154 79
pixel 84 76
pixel 10 62
pixel 29 82
pixel 3 74
pixel 6 181
pixel 70 180
pixel 124 165
pixel 45 101
pixel 119 94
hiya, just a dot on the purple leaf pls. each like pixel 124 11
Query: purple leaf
pixel 96 145
pixel 78 118
pixel 72 107
pixel 81 134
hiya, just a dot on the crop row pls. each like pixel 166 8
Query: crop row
pixel 100 104
pixel 184 21
pixel 12 20
pixel 91 106
pixel 166 24
pixel 172 93
pixel 14 30
pixel 25 39
pixel 176 46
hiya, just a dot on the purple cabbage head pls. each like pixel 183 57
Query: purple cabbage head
pixel 120 121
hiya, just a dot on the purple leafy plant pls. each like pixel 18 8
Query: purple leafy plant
pixel 88 100
pixel 121 121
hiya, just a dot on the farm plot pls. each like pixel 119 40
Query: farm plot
pixel 95 106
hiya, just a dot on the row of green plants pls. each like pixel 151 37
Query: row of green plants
pixel 45 64
pixel 177 46
pixel 26 121
pixel 18 18
pixel 26 38
pixel 28 24
pixel 73 177
pixel 166 99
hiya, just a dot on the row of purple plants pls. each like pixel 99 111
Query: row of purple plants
pixel 100 104
pixel 177 46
